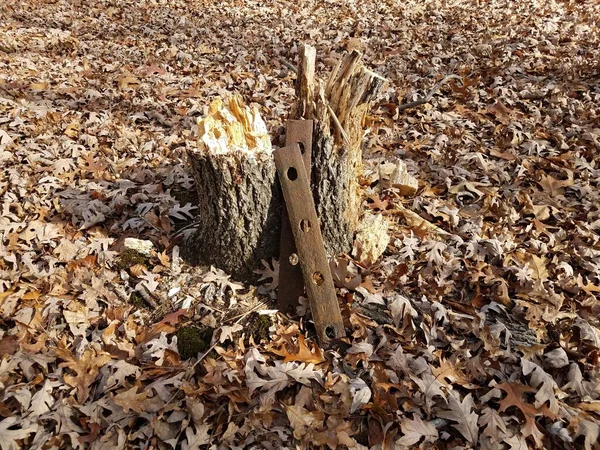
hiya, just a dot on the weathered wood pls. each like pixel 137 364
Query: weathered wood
pixel 340 109
pixel 239 215
pixel 239 210
pixel 305 83
pixel 306 228
pixel 291 284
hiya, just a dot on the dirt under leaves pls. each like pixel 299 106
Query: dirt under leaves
pixel 482 331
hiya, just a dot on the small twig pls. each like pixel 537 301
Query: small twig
pixel 147 296
pixel 181 230
pixel 153 226
pixel 425 99
pixel 338 125
pixel 288 64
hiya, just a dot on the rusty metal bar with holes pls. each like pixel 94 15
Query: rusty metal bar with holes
pixel 306 229
pixel 291 284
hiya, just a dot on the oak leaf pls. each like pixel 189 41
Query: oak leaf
pixel 416 429
pixel 495 428
pixel 515 392
pixel 501 112
pixel 449 373
pixel 304 353
pixel 9 435
pixel 42 400
pixel 552 186
pixel 268 272
pixel 87 368
pixel 461 413
pixel 544 384
pixel 303 421
pixel 540 271
pixel 195 439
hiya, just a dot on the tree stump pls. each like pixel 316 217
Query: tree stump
pixel 340 109
pixel 240 201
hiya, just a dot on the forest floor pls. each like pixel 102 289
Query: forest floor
pixel 484 334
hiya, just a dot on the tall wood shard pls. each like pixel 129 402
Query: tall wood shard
pixel 340 109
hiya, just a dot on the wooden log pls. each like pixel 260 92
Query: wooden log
pixel 340 108
pixel 239 210
pixel 239 215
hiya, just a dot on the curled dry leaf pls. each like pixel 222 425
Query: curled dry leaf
pixel 304 354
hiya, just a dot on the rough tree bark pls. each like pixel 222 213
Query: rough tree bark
pixel 340 109
pixel 239 215
pixel 239 209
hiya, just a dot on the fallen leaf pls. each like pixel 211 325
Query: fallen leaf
pixel 416 429
pixel 461 412
pixel 304 353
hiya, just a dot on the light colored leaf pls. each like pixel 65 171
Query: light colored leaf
pixel 462 414
pixel 9 435
pixel 416 429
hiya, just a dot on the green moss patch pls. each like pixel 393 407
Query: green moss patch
pixel 129 258
pixel 258 327
pixel 192 340
pixel 138 301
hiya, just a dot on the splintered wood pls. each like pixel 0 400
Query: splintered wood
pixel 340 106
pixel 239 204
pixel 395 175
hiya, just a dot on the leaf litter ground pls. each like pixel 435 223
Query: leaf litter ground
pixel 479 332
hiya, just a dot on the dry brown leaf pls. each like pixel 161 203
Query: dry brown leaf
pixel 552 186
pixel 304 354
pixel 128 82
pixel 501 112
pixel 86 369
pixel 539 266
pixel 448 373
pixel 462 414
pixel 303 421
pixel 414 430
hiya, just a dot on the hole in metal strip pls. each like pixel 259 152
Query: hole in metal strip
pixel 318 278
pixel 292 173
pixel 301 145
pixel 330 331
pixel 305 225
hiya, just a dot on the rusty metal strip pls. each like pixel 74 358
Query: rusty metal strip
pixel 291 284
pixel 306 229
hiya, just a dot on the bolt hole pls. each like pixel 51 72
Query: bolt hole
pixel 330 332
pixel 318 278
pixel 292 173
pixel 301 145
pixel 305 225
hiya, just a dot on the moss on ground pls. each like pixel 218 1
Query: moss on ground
pixel 192 340
pixel 138 301
pixel 129 258
pixel 258 327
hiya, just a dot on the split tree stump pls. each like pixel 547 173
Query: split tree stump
pixel 240 201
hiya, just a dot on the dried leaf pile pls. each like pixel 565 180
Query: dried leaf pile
pixel 477 328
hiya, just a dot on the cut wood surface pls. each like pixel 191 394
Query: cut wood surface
pixel 239 203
